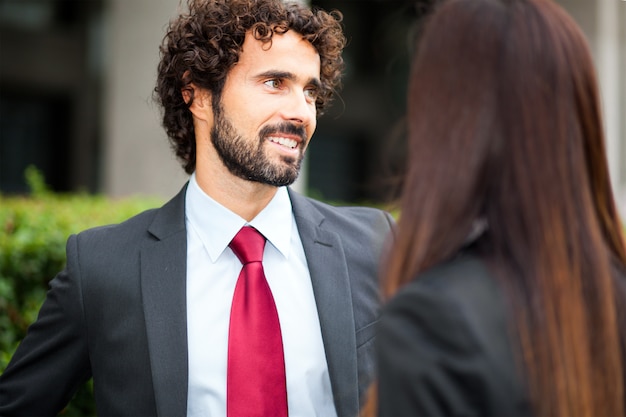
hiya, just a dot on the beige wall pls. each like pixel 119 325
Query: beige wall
pixel 137 157
pixel 621 112
pixel 611 73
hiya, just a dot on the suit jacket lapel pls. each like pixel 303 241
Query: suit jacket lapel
pixel 331 287
pixel 163 285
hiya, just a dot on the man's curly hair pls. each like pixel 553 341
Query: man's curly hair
pixel 201 47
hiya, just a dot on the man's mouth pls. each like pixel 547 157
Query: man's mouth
pixel 281 140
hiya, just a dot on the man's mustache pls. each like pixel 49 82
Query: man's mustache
pixel 286 127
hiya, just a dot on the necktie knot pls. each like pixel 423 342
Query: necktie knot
pixel 248 245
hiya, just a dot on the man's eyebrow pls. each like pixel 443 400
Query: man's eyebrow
pixel 286 75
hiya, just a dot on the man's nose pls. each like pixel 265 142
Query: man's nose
pixel 298 108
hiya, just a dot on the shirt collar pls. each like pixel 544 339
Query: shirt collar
pixel 217 226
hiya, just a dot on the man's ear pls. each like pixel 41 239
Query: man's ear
pixel 198 100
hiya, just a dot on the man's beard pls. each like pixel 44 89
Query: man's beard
pixel 247 160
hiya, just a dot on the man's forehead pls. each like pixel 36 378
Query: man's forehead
pixel 284 49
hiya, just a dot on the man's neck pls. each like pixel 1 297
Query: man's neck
pixel 242 197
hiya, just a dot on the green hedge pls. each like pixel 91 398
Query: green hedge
pixel 33 233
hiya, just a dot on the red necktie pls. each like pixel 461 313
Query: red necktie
pixel 256 383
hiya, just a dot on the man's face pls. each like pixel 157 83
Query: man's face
pixel 266 114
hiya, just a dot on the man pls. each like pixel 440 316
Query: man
pixel 146 307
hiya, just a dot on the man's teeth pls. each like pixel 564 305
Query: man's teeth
pixel 290 143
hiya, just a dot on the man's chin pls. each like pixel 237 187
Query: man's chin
pixel 283 179
pixel 276 182
pixel 291 162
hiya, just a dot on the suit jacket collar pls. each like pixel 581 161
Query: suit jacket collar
pixel 163 283
pixel 163 286
pixel 331 286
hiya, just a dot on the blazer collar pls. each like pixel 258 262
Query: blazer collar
pixel 163 286
pixel 331 286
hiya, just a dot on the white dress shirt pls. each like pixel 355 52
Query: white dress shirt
pixel 212 271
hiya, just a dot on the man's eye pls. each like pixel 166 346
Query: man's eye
pixel 274 83
pixel 311 93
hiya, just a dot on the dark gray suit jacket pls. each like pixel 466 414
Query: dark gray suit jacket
pixel 117 312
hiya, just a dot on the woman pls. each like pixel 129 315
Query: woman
pixel 507 280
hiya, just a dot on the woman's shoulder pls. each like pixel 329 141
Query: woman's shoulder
pixel 459 300
pixel 451 325
pixel 464 280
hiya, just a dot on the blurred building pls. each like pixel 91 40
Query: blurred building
pixel 76 82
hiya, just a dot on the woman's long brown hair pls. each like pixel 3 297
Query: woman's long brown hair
pixel 504 124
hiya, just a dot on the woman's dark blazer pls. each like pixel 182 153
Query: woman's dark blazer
pixel 444 346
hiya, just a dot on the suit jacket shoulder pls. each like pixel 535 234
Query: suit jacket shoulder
pixel 340 216
pixel 361 229
pixel 94 322
pixel 444 346
pixel 150 224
